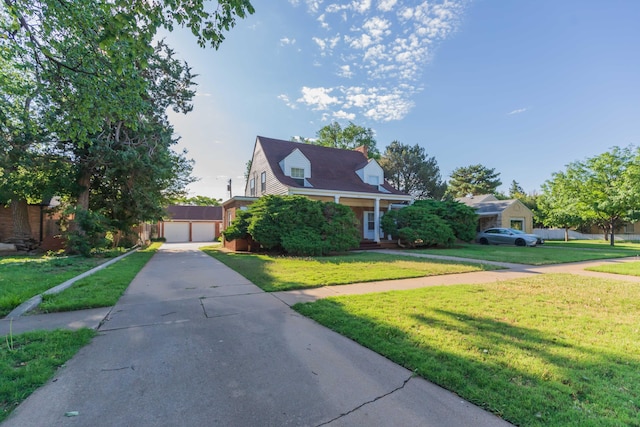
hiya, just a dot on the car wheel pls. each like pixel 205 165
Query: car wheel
pixel 521 242
pixel 484 241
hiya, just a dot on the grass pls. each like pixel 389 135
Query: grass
pixel 556 350
pixel 101 289
pixel 279 273
pixel 628 268
pixel 596 244
pixel 24 276
pixel 29 360
pixel 555 253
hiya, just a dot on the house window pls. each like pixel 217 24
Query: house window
pixel 371 221
pixel 297 173
pixel 517 224
pixel 263 182
pixel 252 187
pixel 374 180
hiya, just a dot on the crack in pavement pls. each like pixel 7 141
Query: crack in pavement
pixel 367 402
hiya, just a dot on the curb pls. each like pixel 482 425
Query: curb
pixel 33 302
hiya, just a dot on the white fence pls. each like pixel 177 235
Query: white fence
pixel 558 234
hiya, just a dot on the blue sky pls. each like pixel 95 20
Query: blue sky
pixel 524 87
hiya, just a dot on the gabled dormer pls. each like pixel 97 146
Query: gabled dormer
pixel 372 174
pixel 297 166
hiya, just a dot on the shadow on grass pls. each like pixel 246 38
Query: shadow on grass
pixel 527 376
pixel 281 273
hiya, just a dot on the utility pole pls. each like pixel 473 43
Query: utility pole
pixel 229 189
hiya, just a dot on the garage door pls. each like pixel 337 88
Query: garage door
pixel 203 231
pixel 176 232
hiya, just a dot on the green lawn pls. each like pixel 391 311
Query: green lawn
pixel 552 350
pixel 29 360
pixel 555 253
pixel 101 289
pixel 24 276
pixel 279 273
pixel 628 268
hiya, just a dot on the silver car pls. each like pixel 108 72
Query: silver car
pixel 507 236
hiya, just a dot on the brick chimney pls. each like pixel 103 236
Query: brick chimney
pixel 363 149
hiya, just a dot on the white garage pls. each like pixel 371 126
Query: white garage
pixel 203 231
pixel 176 232
pixel 191 224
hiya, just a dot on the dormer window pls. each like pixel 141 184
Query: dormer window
pixel 297 173
pixel 373 180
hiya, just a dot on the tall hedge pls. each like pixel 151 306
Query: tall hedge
pixel 297 225
pixel 462 219
pixel 416 226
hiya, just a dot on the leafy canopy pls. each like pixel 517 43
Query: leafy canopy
pixel 412 171
pixel 473 180
pixel 348 138
pixel 604 189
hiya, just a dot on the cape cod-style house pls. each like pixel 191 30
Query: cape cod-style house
pixel 347 177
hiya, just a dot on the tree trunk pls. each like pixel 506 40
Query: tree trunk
pixel 566 234
pixel 612 235
pixel 20 217
pixel 84 181
pixel 21 233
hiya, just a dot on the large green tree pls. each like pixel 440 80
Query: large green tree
pixel 604 189
pixel 473 180
pixel 559 204
pixel 348 138
pixel 86 77
pixel 411 170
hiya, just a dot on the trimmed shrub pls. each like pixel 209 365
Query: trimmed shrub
pixel 415 226
pixel 304 241
pixel 297 225
pixel 341 230
pixel 462 219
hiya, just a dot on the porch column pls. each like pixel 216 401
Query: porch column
pixel 336 198
pixel 376 219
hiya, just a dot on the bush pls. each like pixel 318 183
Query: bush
pixel 462 219
pixel 297 225
pixel 341 230
pixel 303 242
pixel 86 232
pixel 415 226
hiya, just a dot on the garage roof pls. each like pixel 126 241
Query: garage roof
pixel 194 213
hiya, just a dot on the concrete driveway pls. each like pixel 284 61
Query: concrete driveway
pixel 192 343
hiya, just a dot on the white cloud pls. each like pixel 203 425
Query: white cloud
pixel 518 111
pixel 345 71
pixel 323 23
pixel 386 43
pixel 318 98
pixel 362 6
pixel 284 98
pixel 343 115
pixel 287 41
pixel 386 5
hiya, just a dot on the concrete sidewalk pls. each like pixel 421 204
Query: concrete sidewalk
pixel 192 342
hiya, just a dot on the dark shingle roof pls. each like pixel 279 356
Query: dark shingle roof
pixel 486 204
pixel 195 213
pixel 331 168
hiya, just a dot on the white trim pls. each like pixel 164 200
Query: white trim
pixel 376 218
pixel 347 194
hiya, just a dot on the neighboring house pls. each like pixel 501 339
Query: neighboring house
pixel 191 224
pixel 347 177
pixel 492 212
pixel 44 227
